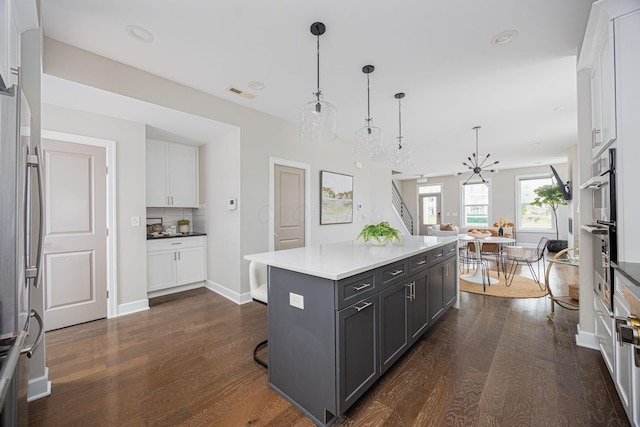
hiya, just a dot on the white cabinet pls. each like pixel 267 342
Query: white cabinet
pixel 605 333
pixel 624 353
pixel 172 175
pixel 175 261
pixel 603 98
pixel 9 45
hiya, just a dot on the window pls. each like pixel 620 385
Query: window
pixel 430 189
pixel 530 217
pixel 475 200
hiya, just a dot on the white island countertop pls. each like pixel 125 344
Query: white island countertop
pixel 336 261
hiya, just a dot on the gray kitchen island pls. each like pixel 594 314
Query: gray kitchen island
pixel 341 314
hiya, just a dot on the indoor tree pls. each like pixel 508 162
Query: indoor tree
pixel 550 195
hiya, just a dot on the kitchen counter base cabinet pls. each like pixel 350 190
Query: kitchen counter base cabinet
pixel 175 262
pixel 325 352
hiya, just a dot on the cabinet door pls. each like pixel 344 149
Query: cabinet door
pixel 161 269
pixel 357 349
pixel 419 306
pixel 190 265
pixel 436 291
pixel 394 328
pixel 157 179
pixel 450 282
pixel 608 89
pixel 623 357
pixel 183 176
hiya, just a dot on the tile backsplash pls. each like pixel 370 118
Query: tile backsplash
pixel 170 216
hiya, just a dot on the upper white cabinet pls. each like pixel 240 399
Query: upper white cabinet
pixel 603 96
pixel 172 175
pixel 16 16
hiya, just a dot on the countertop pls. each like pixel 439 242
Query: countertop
pixel 171 236
pixel 336 261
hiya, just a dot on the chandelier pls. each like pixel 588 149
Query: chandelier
pixel 477 165
pixel 318 117
pixel 369 137
pixel 401 154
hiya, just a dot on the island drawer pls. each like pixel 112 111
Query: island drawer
pixel 354 288
pixel 418 262
pixel 394 272
pixel 439 254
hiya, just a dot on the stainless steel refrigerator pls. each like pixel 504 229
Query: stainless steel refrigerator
pixel 21 202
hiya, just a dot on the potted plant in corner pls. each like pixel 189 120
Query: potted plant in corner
pixel 183 226
pixel 551 195
pixel 379 234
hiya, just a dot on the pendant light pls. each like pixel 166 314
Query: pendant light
pixel 318 118
pixel 476 165
pixel 401 154
pixel 369 137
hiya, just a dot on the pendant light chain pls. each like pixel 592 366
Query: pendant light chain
pixel 318 93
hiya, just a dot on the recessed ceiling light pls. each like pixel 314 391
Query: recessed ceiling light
pixel 536 144
pixel 139 33
pixel 256 85
pixel 504 38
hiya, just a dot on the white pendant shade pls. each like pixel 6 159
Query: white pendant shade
pixel 369 142
pixel 400 155
pixel 318 122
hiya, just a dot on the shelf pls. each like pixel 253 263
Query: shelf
pixel 595 183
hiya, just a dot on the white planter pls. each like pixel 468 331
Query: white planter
pixel 183 228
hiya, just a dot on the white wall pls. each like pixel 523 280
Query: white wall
pixel 261 136
pixel 503 199
pixel 130 189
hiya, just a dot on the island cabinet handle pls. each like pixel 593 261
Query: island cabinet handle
pixel 363 306
pixel 439 255
pixel 395 273
pixel 420 262
pixel 452 249
pixel 361 287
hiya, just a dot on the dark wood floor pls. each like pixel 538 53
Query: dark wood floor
pixel 187 361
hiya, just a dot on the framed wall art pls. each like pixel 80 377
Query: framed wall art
pixel 336 198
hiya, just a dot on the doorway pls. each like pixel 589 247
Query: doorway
pixel 290 203
pixel 429 207
pixel 78 261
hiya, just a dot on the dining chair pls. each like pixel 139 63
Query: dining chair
pixel 517 255
pixel 258 290
pixel 469 255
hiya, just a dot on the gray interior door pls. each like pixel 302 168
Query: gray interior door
pixel 289 209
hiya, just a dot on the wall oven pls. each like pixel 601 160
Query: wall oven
pixel 604 232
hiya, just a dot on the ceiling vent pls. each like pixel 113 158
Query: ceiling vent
pixel 241 92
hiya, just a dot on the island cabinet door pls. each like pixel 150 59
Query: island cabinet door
pixel 358 350
pixel 419 305
pixel 436 291
pixel 394 323
pixel 450 282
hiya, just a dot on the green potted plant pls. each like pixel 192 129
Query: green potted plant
pixel 379 234
pixel 183 225
pixel 551 195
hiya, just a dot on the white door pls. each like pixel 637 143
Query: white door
pixel 75 245
pixel 429 211
pixel 289 199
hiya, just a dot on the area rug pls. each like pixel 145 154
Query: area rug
pixel 521 287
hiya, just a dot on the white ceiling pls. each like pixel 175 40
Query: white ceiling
pixel 438 52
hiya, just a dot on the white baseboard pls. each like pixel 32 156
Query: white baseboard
pixel 228 293
pixel 175 289
pixel 39 387
pixel 133 307
pixel 587 339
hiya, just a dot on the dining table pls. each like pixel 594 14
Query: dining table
pixel 476 277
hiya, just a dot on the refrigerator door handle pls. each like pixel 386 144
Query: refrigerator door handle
pixel 38 339
pixel 35 271
pixel 9 366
